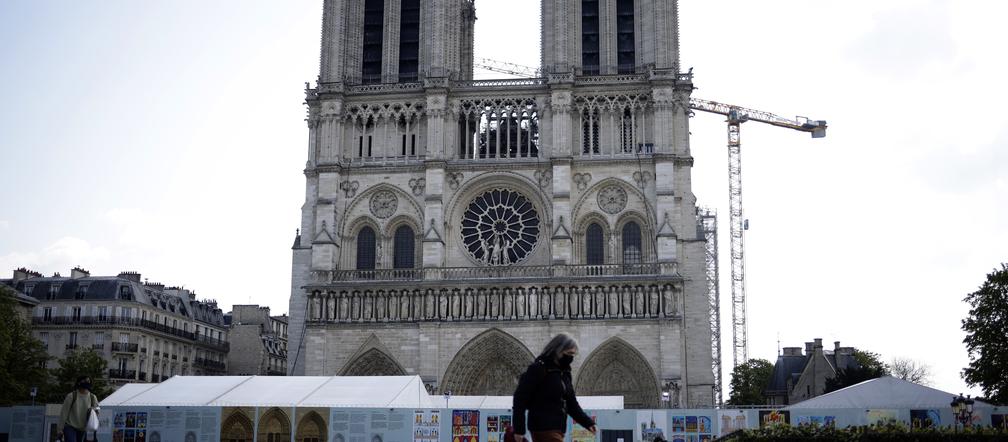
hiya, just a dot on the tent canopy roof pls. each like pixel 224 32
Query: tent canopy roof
pixel 309 391
pixel 882 393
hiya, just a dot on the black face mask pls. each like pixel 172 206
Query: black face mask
pixel 566 360
pixel 84 385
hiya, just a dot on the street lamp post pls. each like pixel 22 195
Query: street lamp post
pixel 962 411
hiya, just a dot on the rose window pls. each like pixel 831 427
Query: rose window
pixel 500 227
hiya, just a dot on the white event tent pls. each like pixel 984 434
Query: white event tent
pixel 310 391
pixel 885 392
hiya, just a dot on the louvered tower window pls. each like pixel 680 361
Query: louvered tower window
pixel 625 44
pixel 409 41
pixel 590 37
pixel 374 21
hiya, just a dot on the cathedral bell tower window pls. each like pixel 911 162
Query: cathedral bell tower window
pixel 590 37
pixel 374 26
pixel 409 41
pixel 625 43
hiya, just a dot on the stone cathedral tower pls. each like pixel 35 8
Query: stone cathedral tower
pixel 452 226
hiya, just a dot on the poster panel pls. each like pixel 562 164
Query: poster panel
pixel 237 423
pixel 767 417
pixel 496 425
pixel 692 425
pixel 426 425
pixel 881 416
pixel 731 421
pixel 999 421
pixel 465 425
pixel 579 433
pixel 818 421
pixel 651 425
pixel 27 424
pixel 370 425
pixel 157 424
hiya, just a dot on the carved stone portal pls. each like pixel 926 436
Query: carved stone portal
pixel 489 364
pixel 617 369
pixel 373 363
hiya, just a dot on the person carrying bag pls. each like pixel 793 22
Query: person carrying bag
pixel 79 413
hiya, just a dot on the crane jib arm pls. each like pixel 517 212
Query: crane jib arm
pixel 739 114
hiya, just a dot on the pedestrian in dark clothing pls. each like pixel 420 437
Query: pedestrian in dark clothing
pixel 546 392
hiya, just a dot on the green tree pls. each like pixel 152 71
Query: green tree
pixel 986 340
pixel 73 365
pixel 22 357
pixel 748 382
pixel 869 366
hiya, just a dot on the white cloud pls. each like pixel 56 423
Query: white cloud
pixel 60 256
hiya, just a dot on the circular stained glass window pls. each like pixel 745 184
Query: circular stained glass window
pixel 500 227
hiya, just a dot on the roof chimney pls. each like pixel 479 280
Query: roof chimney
pixel 792 351
pixel 78 273
pixel 818 342
pixel 836 346
pixel 21 274
pixel 132 276
pixel 808 348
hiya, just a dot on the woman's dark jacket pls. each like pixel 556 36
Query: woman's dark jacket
pixel 546 392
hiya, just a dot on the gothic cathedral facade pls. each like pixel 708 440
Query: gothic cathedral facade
pixel 452 226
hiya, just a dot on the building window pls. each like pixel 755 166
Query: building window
pixel 594 245
pixel 625 43
pixel 409 41
pixel 72 340
pixel 627 131
pixel 47 314
pixel 81 292
pixel 44 337
pixel 99 339
pixel 590 37
pixel 103 313
pixel 405 246
pixel 125 293
pixel 374 24
pixel 366 249
pixel 53 291
pixel 632 243
pixel 76 313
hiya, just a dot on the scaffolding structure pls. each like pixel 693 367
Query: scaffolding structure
pixel 707 227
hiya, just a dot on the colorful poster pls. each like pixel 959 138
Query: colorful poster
pixel 691 424
pixel 465 425
pixel 496 425
pixel 651 425
pixel 881 416
pixel 704 424
pixel 819 421
pixel 767 417
pixel 579 433
pixel 426 425
pixel 678 424
pixel 925 418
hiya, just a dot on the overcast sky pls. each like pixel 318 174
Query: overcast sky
pixel 168 138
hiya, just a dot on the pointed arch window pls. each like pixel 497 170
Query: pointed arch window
pixel 625 43
pixel 366 249
pixel 590 131
pixel 594 245
pixel 632 253
pixel 405 247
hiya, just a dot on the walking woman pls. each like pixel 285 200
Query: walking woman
pixel 546 392
pixel 77 409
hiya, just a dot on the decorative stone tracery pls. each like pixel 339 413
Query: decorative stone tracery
pixel 237 427
pixel 500 228
pixel 489 364
pixel 612 199
pixel 274 425
pixel 616 368
pixel 384 204
pixel 373 362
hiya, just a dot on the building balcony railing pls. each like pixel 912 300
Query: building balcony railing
pixel 112 321
pixel 124 347
pixel 216 344
pixel 122 374
pixel 209 365
pixel 524 273
pixel 143 350
pixel 71 347
pixel 98 347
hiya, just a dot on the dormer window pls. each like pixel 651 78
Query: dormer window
pixel 81 292
pixel 53 291
pixel 28 288
pixel 125 293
